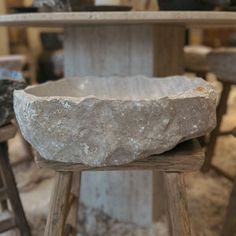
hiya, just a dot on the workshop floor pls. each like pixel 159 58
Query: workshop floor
pixel 207 194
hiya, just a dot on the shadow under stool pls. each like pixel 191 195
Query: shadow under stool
pixel 186 157
pixel 222 63
pixel 14 216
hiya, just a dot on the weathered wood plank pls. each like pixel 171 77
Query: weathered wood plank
pixel 59 204
pixel 169 54
pixel 187 156
pixel 159 204
pixel 72 218
pixel 177 205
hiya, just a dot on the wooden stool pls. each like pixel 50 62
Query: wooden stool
pixel 185 157
pixel 222 63
pixel 229 228
pixel 8 189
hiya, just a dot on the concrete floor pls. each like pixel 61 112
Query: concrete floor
pixel 207 193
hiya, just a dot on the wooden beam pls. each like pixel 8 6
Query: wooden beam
pixel 177 205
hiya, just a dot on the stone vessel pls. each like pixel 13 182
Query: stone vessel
pixel 9 81
pixel 112 121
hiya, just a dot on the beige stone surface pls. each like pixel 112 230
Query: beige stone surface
pixel 112 121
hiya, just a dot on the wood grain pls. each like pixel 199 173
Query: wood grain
pixel 7 132
pixel 177 205
pixel 188 19
pixel 72 218
pixel 59 204
pixel 159 195
pixel 187 156
pixel 169 54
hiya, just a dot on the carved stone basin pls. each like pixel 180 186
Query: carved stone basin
pixel 112 121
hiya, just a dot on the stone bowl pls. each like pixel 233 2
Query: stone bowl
pixel 113 121
pixel 9 81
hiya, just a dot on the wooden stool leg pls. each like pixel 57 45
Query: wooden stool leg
pixel 59 204
pixel 177 205
pixel 221 110
pixel 4 205
pixel 72 219
pixel 159 205
pixel 229 228
pixel 12 191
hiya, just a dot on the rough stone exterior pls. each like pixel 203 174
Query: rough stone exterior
pixel 112 121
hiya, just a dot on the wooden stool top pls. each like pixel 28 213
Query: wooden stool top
pixel 7 132
pixel 187 156
pixel 222 63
